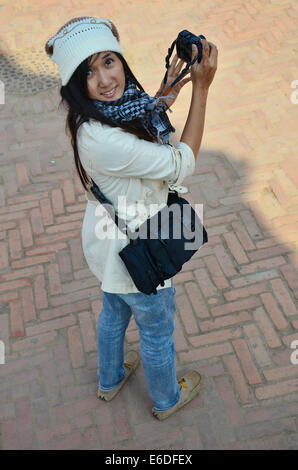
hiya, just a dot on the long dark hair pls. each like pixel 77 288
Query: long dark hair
pixel 75 99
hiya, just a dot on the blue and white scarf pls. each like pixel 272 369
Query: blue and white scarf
pixel 136 104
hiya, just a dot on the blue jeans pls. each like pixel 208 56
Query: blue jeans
pixel 154 317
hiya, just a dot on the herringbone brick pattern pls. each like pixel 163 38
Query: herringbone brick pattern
pixel 236 299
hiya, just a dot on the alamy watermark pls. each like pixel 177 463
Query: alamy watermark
pixel 2 98
pixel 294 95
pixel 294 355
pixel 151 221
pixel 2 352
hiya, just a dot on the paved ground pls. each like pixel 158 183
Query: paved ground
pixel 236 301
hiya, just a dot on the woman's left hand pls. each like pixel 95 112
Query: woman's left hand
pixel 173 72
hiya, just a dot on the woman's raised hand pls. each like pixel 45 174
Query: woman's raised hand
pixel 202 73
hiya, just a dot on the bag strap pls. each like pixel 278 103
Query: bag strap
pixel 94 189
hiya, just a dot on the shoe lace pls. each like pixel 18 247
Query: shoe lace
pixel 182 383
pixel 129 365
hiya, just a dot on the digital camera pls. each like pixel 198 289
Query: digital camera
pixel 184 42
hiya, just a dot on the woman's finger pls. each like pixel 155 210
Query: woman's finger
pixel 174 61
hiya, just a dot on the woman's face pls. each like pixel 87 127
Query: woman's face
pixel 105 74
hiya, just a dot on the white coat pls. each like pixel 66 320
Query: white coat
pixel 139 172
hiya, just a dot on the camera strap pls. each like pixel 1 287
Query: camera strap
pixel 183 72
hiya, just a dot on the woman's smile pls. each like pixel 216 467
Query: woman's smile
pixel 111 93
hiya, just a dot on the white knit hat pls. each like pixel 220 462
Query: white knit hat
pixel 78 39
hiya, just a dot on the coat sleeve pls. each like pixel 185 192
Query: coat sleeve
pixel 113 152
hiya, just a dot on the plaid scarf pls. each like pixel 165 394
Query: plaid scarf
pixel 136 104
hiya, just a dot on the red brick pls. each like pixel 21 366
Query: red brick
pixel 225 261
pixel 64 227
pixel 45 435
pixel 84 405
pixel 7 411
pixel 281 388
pixel 235 248
pixel 46 211
pixel 38 341
pixel 21 273
pixel 40 293
pixel 68 190
pixel 45 240
pixel 8 296
pixel 28 304
pixel 87 331
pixel 76 208
pixel 246 360
pixel 26 198
pixel 104 420
pixel 264 264
pixel 215 337
pixel 268 252
pixel 16 319
pixel 64 310
pixel 30 261
pixel 7 225
pixel 180 341
pixel 235 306
pixel 91 438
pixel 71 442
pixel 54 279
pixel 3 255
pixel 283 296
pixel 5 286
pixel 246 291
pixel 57 200
pixel 70 218
pixel 26 233
pixel 65 266
pixel 198 303
pixel 205 353
pixel 22 174
pixel 180 278
pixel 186 314
pixel 50 325
pixel 121 421
pixel 275 313
pixel 36 221
pixel 77 255
pixel 222 322
pixel 281 372
pixel 243 236
pixel 79 189
pixel 75 346
pixel 238 378
pixel 74 296
pixel 191 437
pixel 232 408
pixel 257 346
pixel 9 435
pixel 24 422
pixel 290 276
pixel 56 247
pixel 217 274
pixel 15 244
pixel 205 283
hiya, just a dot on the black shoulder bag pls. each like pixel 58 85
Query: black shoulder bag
pixel 161 245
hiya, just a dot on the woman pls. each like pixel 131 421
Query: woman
pixel 120 138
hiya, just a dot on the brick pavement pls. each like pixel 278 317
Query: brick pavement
pixel 236 299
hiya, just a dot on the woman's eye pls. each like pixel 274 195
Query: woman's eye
pixel 108 60
pixel 88 72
